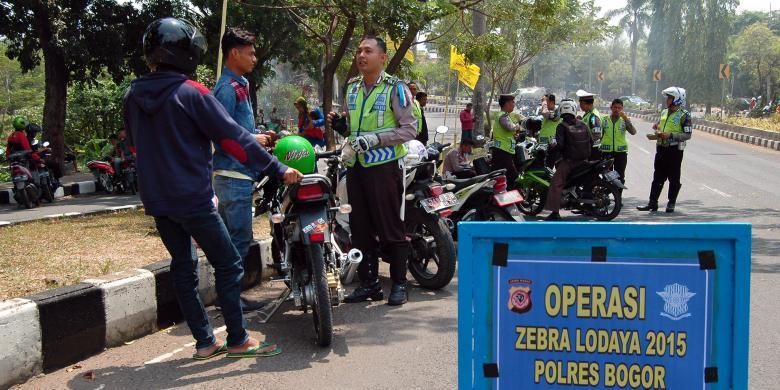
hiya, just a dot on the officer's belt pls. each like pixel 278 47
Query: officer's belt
pixel 232 174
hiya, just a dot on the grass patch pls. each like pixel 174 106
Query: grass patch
pixel 46 254
pixel 772 123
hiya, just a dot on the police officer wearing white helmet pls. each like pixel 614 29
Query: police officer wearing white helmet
pixel 672 131
pixel 592 119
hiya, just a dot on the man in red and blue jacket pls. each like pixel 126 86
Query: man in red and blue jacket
pixel 172 122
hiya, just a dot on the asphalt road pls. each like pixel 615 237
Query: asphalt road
pixel 69 204
pixel 414 346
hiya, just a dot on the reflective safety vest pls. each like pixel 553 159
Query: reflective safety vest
pixel 502 138
pixel 595 133
pixel 670 123
pixel 614 135
pixel 374 114
pixel 547 133
pixel 417 113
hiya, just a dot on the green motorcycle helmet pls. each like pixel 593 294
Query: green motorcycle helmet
pixel 296 152
pixel 20 122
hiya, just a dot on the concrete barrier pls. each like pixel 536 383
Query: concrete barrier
pixel 20 346
pixel 130 305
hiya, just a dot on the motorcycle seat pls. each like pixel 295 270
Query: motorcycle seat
pixel 584 168
pixel 463 183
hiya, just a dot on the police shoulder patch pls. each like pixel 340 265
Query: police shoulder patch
pixel 390 79
pixel 355 79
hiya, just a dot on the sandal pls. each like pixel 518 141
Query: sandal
pixel 256 352
pixel 219 351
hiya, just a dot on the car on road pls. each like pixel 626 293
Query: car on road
pixel 633 101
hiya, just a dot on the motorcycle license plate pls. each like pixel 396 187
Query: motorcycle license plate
pixel 507 198
pixel 436 203
pixel 612 175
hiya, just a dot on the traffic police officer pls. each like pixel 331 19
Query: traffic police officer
pixel 378 122
pixel 613 141
pixel 551 119
pixel 504 131
pixel 671 132
pixel 592 119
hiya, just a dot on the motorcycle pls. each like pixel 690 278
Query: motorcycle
pixel 42 177
pixel 535 176
pixel 26 193
pixel 104 174
pixel 110 180
pixel 302 217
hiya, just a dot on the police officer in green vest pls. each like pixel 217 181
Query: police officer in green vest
pixel 417 111
pixel 378 122
pixel 592 119
pixel 672 131
pixel 613 141
pixel 505 129
pixel 551 118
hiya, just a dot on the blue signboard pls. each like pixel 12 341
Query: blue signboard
pixel 603 305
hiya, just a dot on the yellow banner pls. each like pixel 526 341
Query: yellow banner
pixel 469 76
pixel 457 60
pixel 394 46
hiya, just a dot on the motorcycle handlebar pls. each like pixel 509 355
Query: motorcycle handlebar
pixel 332 153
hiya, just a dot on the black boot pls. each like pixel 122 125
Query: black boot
pixel 674 190
pixel 670 207
pixel 372 291
pixel 398 295
pixel 554 216
pixel 651 206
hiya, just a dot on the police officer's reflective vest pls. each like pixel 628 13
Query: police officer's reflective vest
pixel 502 138
pixel 547 133
pixel 670 123
pixel 374 114
pixel 614 135
pixel 588 119
pixel 417 113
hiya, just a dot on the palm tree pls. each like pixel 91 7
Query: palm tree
pixel 634 17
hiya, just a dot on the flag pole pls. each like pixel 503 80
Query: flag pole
pixel 221 34
pixel 455 133
pixel 447 96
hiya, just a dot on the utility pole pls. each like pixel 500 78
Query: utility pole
pixel 478 28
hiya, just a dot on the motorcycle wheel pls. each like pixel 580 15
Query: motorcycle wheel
pixel 608 201
pixel 106 183
pixel 442 257
pixel 46 193
pixel 534 197
pixel 22 199
pixel 322 311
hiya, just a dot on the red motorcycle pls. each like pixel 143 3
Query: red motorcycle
pixel 26 193
pixel 112 181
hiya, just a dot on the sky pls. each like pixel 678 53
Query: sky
pixel 744 5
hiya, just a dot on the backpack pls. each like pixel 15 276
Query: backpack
pixel 577 143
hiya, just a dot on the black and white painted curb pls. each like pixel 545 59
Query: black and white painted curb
pixel 79 188
pixel 60 327
pixel 756 137
pixel 72 214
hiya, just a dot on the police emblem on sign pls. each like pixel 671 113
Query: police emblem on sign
pixel 676 297
pixel 519 295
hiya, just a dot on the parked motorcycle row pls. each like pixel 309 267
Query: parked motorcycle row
pixel 115 181
pixel 32 180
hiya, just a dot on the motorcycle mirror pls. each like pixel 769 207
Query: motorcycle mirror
pixel 442 129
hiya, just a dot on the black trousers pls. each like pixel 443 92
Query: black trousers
pixel 558 182
pixel 375 196
pixel 667 165
pixel 621 161
pixel 504 160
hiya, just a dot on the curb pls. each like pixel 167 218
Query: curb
pixel 54 329
pixel 78 188
pixel 734 135
pixel 107 210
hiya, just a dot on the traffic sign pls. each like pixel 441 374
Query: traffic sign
pixel 600 76
pixel 725 72
pixel 657 75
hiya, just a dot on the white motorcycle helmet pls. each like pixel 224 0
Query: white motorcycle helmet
pixel 677 93
pixel 415 148
pixel 568 106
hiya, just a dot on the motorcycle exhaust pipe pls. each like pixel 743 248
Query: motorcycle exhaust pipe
pixel 354 256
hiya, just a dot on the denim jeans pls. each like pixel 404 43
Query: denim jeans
pixel 209 232
pixel 235 208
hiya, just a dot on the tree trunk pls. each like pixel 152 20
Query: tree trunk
pixel 403 47
pixel 634 42
pixel 55 95
pixel 478 27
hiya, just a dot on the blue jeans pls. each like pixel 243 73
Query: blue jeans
pixel 209 232
pixel 235 208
